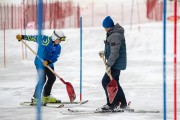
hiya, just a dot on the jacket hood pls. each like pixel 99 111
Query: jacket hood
pixel 116 29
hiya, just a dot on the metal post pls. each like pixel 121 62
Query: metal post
pixel 164 59
pixel 4 44
pixel 92 7
pixel 175 59
pixel 40 77
pixel 131 14
pixel 80 59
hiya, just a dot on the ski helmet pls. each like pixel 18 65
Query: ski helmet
pixel 58 34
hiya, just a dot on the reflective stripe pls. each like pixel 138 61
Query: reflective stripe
pixel 46 41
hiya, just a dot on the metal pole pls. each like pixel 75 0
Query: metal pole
pixel 138 16
pixel 80 59
pixel 175 59
pixel 131 14
pixel 21 25
pixel 4 44
pixel 1 17
pixel 40 77
pixel 92 14
pixel 122 14
pixel 107 12
pixel 164 59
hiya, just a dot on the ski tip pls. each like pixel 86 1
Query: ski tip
pixel 60 106
pixel 83 102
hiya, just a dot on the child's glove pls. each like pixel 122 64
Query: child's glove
pixel 19 37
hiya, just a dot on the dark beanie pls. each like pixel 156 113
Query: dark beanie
pixel 108 22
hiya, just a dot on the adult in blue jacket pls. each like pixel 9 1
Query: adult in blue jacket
pixel 49 50
pixel 115 55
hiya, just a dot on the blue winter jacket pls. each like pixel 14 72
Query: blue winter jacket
pixel 115 48
pixel 47 50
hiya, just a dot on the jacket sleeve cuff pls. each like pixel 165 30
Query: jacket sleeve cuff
pixel 49 62
pixel 23 36
pixel 108 65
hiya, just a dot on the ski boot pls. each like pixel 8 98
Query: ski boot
pixel 105 107
pixel 33 101
pixel 116 108
pixel 50 99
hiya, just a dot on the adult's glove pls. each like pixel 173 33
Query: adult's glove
pixel 19 37
pixel 46 63
pixel 101 54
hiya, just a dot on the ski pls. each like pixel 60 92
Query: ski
pixel 53 105
pixel 49 105
pixel 99 110
pixel 146 111
pixel 76 111
pixel 129 109
pixel 83 102
pixel 140 111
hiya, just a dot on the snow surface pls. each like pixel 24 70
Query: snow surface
pixel 142 81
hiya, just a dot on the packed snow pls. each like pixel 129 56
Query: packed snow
pixel 142 81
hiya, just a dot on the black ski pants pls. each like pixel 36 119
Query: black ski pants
pixel 120 97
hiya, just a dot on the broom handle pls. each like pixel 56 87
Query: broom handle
pixel 43 61
pixel 109 74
